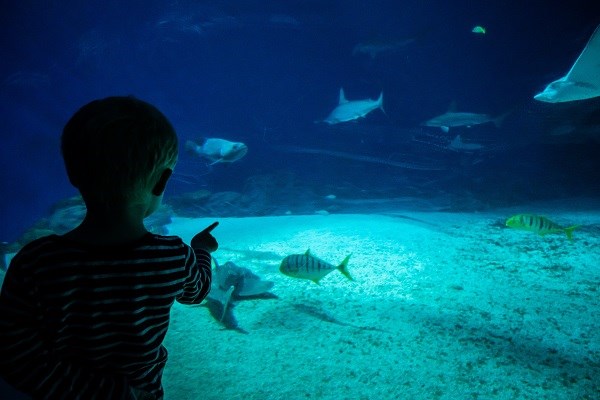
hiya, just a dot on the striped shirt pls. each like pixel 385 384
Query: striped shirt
pixel 87 322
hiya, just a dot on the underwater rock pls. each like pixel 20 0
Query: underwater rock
pixel 67 214
pixel 190 204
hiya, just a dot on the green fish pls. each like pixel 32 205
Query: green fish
pixel 307 266
pixel 540 225
pixel 478 29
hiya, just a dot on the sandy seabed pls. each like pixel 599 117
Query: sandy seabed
pixel 444 306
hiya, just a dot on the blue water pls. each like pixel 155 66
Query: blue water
pixel 265 74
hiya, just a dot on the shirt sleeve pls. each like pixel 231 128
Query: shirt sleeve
pixel 27 361
pixel 198 276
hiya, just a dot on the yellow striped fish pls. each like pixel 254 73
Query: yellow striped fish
pixel 307 266
pixel 540 225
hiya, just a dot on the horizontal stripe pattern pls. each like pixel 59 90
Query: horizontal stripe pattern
pixel 88 322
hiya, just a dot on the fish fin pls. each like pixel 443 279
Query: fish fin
pixel 342 97
pixel 215 162
pixel 445 129
pixel 569 231
pixel 316 280
pixel 226 302
pixel 343 267
pixel 452 107
pixel 307 252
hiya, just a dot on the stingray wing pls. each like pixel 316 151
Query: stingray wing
pixel 586 70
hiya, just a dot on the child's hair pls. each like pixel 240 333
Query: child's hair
pixel 116 147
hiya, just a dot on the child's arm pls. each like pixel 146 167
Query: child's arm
pixel 198 266
pixel 28 363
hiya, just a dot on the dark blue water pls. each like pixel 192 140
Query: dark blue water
pixel 264 73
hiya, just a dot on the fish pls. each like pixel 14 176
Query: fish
pixel 582 81
pixel 350 110
pixel 537 224
pixel 452 119
pixel 217 150
pixel 230 284
pixel 307 266
pixel 479 29
pixel 458 145
pixel 375 47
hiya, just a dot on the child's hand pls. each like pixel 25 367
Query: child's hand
pixel 204 240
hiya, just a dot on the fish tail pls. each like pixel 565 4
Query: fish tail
pixel 190 146
pixel 226 299
pixel 343 267
pixel 380 103
pixel 499 120
pixel 569 231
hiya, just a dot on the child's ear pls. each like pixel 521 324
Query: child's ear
pixel 160 186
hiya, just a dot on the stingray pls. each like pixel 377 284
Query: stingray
pixel 582 81
pixel 231 284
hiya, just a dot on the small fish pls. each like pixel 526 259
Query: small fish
pixel 307 266
pixel 540 225
pixel 218 150
pixel 479 29
pixel 347 110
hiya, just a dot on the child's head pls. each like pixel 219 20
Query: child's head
pixel 116 149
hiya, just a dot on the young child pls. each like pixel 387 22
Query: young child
pixel 84 315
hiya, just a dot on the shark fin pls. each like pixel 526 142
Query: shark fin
pixel 342 97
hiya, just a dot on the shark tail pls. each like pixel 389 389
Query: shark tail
pixel 499 120
pixel 380 102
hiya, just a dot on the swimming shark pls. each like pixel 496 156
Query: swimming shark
pixel 350 110
pixel 582 81
pixel 217 150
pixel 452 119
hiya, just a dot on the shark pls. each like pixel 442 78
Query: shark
pixel 457 144
pixel 347 110
pixel 452 119
pixel 582 81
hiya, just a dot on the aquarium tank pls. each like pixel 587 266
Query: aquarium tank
pixel 407 194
